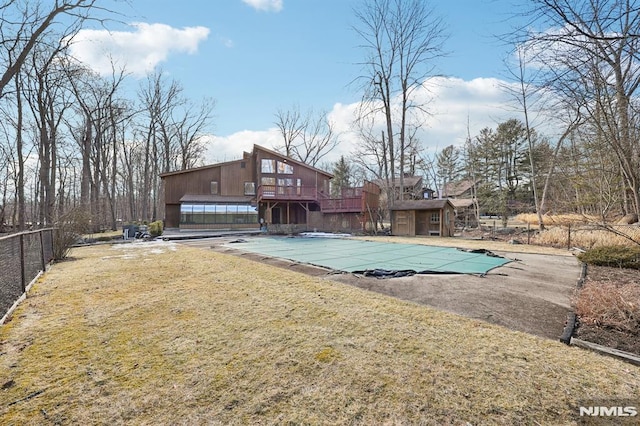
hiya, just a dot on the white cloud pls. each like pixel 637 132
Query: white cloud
pixel 265 5
pixel 453 104
pixel 228 148
pixel 139 51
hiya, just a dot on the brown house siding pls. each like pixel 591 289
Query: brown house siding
pixel 288 195
pixel 411 218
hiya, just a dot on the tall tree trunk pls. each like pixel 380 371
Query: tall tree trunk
pixel 21 165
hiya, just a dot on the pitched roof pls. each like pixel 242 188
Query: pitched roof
pixel 208 166
pixel 421 204
pixel 461 202
pixel 255 147
pixel 291 160
pixel 454 189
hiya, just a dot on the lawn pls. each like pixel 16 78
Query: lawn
pixel 156 333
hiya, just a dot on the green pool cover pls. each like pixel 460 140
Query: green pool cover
pixel 364 257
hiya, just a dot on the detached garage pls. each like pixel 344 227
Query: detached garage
pixel 422 217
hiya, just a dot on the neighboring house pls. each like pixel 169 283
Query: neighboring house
pixel 423 217
pixel 412 188
pixel 465 212
pixel 460 189
pixel 462 194
pixel 264 187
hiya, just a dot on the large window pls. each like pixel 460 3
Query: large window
pixel 268 166
pixel 218 214
pixel 284 168
pixel 284 184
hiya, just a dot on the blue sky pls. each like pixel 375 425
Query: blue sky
pixel 255 57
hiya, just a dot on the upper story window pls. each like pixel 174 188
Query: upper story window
pixel 268 166
pixel 214 187
pixel 285 168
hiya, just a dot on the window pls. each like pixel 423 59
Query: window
pixel 249 188
pixel 214 187
pixel 268 181
pixel 284 168
pixel 243 164
pixel 268 166
pixel 225 214
pixel 284 184
pixel 435 217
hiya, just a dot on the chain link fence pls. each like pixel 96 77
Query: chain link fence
pixel 22 257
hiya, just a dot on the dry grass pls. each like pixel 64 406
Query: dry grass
pixel 146 333
pixel 588 238
pixel 584 231
pixel 558 219
pixel 610 305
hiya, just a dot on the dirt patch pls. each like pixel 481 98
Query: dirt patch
pixel 624 340
pixel 530 294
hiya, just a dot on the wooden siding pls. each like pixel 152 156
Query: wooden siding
pixel 412 221
pixel 171 215
pixel 403 222
pixel 294 192
pixel 313 183
pixel 230 176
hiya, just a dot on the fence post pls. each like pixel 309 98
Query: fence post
pixel 569 237
pixel 528 233
pixel 22 272
pixel 42 261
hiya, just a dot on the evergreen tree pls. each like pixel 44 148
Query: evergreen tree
pixel 341 176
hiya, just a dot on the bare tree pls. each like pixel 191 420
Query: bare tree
pixel 291 125
pixel 401 40
pixel 23 24
pixel 100 111
pixel 592 58
pixel 306 137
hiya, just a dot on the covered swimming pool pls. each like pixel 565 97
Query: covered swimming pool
pixel 362 256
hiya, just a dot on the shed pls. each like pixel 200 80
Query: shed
pixel 423 217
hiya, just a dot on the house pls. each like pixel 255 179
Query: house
pixel 263 188
pixel 465 188
pixel 412 188
pixel 462 194
pixel 423 217
pixel 465 212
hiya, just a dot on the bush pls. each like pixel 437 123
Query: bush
pixel 155 228
pixel 609 305
pixel 67 231
pixel 616 256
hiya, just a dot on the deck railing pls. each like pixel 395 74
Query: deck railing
pixel 281 192
pixel 341 205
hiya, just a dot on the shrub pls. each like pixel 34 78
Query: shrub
pixel 67 231
pixel 617 256
pixel 609 305
pixel 155 228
